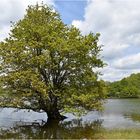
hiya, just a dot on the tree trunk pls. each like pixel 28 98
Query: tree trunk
pixel 54 115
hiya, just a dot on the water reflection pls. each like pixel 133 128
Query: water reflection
pixel 53 130
pixel 121 113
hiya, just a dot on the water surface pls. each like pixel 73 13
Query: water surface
pixel 118 113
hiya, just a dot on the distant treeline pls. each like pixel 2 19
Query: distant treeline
pixel 126 88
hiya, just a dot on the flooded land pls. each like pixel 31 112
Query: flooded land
pixel 119 115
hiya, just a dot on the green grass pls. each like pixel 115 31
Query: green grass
pixel 118 134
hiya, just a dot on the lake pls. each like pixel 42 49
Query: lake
pixel 117 114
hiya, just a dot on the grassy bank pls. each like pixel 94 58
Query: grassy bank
pixel 118 134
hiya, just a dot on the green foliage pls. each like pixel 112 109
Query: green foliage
pixel 127 87
pixel 48 65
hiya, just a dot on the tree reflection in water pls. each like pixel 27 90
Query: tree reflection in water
pixel 53 130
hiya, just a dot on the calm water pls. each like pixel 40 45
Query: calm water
pixel 118 113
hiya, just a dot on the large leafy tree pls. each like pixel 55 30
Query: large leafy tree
pixel 47 65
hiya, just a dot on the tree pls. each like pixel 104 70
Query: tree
pixel 126 88
pixel 47 65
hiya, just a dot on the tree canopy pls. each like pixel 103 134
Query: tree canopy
pixel 127 87
pixel 47 65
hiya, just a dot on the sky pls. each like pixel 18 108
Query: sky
pixel 118 22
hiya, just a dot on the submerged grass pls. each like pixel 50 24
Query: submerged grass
pixel 44 133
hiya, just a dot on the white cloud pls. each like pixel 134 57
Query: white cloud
pixel 128 62
pixel 4 32
pixel 114 50
pixel 13 10
pixel 118 21
pixel 112 74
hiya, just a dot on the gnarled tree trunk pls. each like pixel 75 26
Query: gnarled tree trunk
pixel 55 115
pixel 51 108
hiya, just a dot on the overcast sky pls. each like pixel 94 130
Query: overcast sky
pixel 118 22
